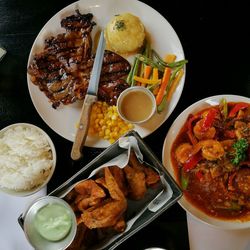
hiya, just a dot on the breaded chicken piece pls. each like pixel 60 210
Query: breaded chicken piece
pixel 110 212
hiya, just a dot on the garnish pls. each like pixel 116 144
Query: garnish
pixel 240 147
pixel 184 180
pixel 120 25
pixel 223 108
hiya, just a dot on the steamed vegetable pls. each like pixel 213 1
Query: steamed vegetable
pixel 163 87
pixel 237 108
pixel 160 76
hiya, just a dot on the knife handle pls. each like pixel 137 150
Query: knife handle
pixel 81 134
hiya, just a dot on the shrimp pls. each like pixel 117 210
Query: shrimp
pixel 201 134
pixel 183 152
pixel 211 149
pixel 242 129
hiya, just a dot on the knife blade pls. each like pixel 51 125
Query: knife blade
pixel 90 98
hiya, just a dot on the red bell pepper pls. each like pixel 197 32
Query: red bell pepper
pixel 237 107
pixel 209 119
pixel 192 162
pixel 190 121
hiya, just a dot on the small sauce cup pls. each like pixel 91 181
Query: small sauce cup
pixel 35 238
pixel 136 105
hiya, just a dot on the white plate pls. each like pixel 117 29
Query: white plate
pixel 166 158
pixel 63 120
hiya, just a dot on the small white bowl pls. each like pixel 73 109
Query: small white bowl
pixel 34 237
pixel 17 192
pixel 166 159
pixel 139 102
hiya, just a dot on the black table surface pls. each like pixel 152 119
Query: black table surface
pixel 215 39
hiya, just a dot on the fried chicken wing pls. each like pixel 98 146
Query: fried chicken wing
pixel 89 194
pixel 107 214
pixel 120 226
pixel 120 179
pixel 101 182
pixel 136 183
pixel 134 163
pixel 100 203
pixel 152 177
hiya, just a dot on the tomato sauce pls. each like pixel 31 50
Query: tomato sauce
pixel 218 182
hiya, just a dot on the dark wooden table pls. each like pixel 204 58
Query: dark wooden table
pixel 216 42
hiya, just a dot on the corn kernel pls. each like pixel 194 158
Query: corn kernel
pixel 130 126
pixel 107 132
pixel 114 117
pixel 116 129
pixel 101 122
pixel 111 140
pixel 109 123
pixel 103 127
pixel 106 123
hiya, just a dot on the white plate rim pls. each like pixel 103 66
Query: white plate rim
pixel 166 160
pixel 145 129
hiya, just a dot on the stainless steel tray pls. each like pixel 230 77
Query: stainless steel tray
pixel 146 216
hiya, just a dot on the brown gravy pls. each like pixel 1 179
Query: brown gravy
pixel 136 106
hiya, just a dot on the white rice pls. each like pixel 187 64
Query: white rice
pixel 25 158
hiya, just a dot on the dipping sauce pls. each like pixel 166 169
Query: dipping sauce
pixel 53 222
pixel 136 106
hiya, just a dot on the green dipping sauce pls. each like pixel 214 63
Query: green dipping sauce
pixel 53 222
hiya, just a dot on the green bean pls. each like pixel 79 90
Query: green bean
pixel 135 71
pixel 170 65
pixel 148 51
pixel 162 105
pixel 172 77
pixel 130 75
pixel 177 64
pixel 150 62
pixel 151 87
pixel 176 70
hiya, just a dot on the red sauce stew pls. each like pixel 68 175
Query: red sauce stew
pixel 211 157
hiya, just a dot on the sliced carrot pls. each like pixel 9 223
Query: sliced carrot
pixel 174 84
pixel 147 71
pixel 155 91
pixel 169 58
pixel 164 83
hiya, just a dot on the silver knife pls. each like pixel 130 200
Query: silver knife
pixel 90 98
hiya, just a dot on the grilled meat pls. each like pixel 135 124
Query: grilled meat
pixel 110 91
pixel 62 70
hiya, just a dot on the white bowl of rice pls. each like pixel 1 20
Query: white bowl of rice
pixel 27 159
